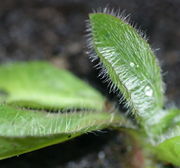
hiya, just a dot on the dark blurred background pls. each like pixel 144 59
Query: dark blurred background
pixel 54 30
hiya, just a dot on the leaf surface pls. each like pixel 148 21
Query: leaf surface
pixel 167 144
pixel 128 63
pixel 169 150
pixel 23 131
pixel 40 85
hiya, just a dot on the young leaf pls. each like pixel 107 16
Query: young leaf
pixel 167 144
pixel 128 63
pixel 22 131
pixel 162 121
pixel 169 149
pixel 40 85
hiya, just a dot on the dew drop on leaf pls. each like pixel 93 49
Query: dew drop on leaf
pixel 132 64
pixel 148 91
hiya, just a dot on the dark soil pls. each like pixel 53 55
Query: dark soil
pixel 54 30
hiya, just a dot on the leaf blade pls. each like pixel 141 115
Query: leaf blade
pixel 41 85
pixel 169 150
pixel 31 130
pixel 129 62
pixel 167 143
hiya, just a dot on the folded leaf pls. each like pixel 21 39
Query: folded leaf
pixel 43 86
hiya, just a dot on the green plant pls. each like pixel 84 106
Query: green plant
pixel 36 97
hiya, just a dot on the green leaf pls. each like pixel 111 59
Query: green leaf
pixel 169 150
pixel 22 131
pixel 162 121
pixel 167 144
pixel 43 86
pixel 128 61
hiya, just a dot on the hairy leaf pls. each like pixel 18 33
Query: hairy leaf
pixel 167 143
pixel 169 149
pixel 22 131
pixel 27 88
pixel 162 121
pixel 43 86
pixel 128 63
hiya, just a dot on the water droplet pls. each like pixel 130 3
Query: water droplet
pixel 148 91
pixel 132 64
